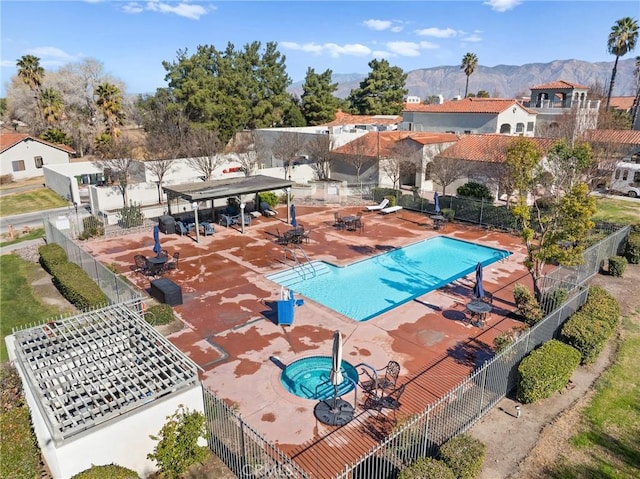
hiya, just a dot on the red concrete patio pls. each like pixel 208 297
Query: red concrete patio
pixel 231 332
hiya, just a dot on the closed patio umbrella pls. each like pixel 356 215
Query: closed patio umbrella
pixel 436 203
pixel 156 240
pixel 478 291
pixel 336 361
pixel 294 222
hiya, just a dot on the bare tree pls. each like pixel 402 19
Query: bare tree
pixel 288 147
pixel 362 153
pixel 243 145
pixel 406 159
pixel 116 160
pixel 448 170
pixel 204 152
pixel 159 168
pixel 321 156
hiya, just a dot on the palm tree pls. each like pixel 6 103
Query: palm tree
pixel 622 40
pixel 52 105
pixel 469 65
pixel 110 104
pixel 32 74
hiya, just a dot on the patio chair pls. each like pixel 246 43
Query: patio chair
pixel 164 252
pixel 338 221
pixel 282 239
pixel 388 381
pixel 227 220
pixel 169 265
pixel 390 209
pixel 383 204
pixel 208 229
pixel 140 265
pixel 181 228
pixel 389 401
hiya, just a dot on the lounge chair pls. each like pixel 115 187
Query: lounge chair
pixel 181 229
pixel 208 229
pixel 266 209
pixel 390 209
pixel 227 220
pixel 379 207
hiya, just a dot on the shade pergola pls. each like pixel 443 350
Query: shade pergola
pixel 212 190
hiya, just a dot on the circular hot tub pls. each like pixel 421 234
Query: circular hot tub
pixel 309 378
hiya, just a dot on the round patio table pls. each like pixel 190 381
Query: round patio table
pixel 158 259
pixel 479 309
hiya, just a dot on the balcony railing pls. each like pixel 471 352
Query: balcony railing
pixel 550 104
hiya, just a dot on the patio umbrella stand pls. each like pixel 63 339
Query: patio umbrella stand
pixel 336 411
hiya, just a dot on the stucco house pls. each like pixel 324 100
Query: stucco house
pixel 23 155
pixel 471 116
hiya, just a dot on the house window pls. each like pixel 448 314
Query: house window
pixel 625 175
pixel 18 165
pixel 428 171
pixel 505 128
pixel 617 174
pixel 636 177
pixel 530 126
pixel 519 127
pixel 38 160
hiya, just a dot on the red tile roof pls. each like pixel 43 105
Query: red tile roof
pixel 559 85
pixel 383 143
pixel 622 102
pixel 9 140
pixel 627 137
pixel 467 105
pixel 344 119
pixel 490 148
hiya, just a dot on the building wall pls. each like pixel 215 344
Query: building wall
pixel 27 151
pixel 456 122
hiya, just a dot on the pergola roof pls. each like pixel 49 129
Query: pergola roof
pixel 90 368
pixel 211 190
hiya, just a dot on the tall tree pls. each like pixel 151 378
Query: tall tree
pixel 622 40
pixel 32 74
pixel 109 102
pixel 446 171
pixel 288 147
pixel 382 92
pixel 469 65
pixel 319 106
pixel 552 232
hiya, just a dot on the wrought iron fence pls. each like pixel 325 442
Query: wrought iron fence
pixel 117 289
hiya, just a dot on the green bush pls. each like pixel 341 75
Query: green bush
pixel 586 335
pixel 554 299
pixel 448 213
pixel 546 370
pixel 464 455
pixel 159 314
pixel 52 255
pixel 507 338
pixel 6 179
pixel 19 453
pixel 380 193
pixel 427 468
pixel 131 216
pixel 111 471
pixel 268 197
pixel 475 190
pixel 601 306
pixel 632 248
pixel 77 287
pixel 617 265
pixel 527 305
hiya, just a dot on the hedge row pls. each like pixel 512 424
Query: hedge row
pixel 546 370
pixel 632 249
pixel 70 279
pixel 427 468
pixel 589 329
pixel 464 455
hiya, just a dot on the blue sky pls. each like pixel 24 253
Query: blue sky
pixel 133 38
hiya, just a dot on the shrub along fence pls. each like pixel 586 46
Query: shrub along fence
pixel 248 454
pixel 117 289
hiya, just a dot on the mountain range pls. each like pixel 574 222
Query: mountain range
pixel 501 81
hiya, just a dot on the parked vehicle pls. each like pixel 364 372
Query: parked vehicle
pixel 625 179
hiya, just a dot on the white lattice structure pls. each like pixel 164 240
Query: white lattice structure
pixel 98 384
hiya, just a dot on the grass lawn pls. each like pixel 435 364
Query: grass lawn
pixel 617 211
pixel 35 233
pixel 19 302
pixel 607 443
pixel 29 201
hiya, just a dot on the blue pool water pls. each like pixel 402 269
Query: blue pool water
pixel 309 378
pixel 370 287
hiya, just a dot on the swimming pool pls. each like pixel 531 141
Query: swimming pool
pixel 367 288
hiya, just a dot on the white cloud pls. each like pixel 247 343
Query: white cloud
pixel 437 32
pixel 503 5
pixel 333 49
pixel 53 54
pixel 7 64
pixel 409 49
pixel 377 24
pixel 182 9
pixel 397 29
pixel 472 38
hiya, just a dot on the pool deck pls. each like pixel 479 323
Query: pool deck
pixel 231 328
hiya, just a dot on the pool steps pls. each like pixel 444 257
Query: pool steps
pixel 298 274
